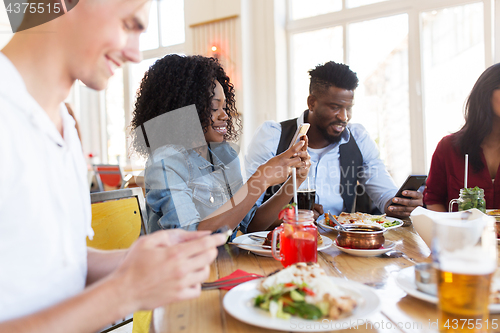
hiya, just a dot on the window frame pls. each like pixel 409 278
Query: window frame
pixel 387 8
pixel 129 94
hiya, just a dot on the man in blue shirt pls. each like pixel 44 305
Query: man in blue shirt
pixel 342 154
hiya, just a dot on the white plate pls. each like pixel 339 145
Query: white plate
pixel 321 221
pixel 238 302
pixel 245 239
pixel 388 245
pixel 406 281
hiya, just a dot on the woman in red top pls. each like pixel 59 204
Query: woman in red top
pixel 480 138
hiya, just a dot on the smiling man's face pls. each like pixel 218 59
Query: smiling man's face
pixel 101 36
pixel 331 110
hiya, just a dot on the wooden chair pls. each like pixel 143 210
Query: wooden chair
pixel 118 219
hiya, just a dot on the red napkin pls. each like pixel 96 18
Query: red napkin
pixel 235 274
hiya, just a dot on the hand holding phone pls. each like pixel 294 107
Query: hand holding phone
pixel 412 183
pixel 300 132
pixel 223 230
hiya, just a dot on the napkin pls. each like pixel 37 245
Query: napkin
pixel 235 274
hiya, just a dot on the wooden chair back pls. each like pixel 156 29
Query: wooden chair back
pixel 118 218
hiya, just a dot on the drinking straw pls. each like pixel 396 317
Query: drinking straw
pixel 294 179
pixel 466 169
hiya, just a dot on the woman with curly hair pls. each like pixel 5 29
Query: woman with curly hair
pixel 193 186
pixel 480 138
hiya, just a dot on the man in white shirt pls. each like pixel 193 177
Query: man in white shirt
pixel 49 280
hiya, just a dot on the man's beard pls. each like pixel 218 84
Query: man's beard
pixel 332 138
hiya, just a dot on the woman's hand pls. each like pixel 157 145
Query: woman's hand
pixel 277 169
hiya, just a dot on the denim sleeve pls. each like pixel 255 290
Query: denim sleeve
pixel 377 181
pixel 168 194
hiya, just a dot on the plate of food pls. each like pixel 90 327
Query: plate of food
pixel 361 218
pixel 301 298
pixel 388 245
pixel 406 281
pixel 496 214
pixel 253 242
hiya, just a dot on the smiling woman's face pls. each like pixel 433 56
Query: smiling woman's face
pixel 218 127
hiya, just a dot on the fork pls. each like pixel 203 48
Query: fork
pixel 256 238
pixel 226 282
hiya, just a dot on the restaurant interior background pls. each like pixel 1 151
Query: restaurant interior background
pixel 416 60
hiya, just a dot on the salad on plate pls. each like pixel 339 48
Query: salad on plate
pixel 303 290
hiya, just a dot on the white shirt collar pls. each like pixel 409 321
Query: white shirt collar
pixel 13 88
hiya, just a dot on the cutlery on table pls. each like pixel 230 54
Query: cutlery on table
pixel 227 282
pixel 398 254
pixel 257 238
pixel 336 222
pixel 267 247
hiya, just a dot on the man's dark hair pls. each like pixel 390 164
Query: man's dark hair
pixel 479 115
pixel 177 81
pixel 332 74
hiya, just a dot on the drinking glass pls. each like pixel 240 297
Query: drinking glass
pixel 298 239
pixel 469 198
pixel 306 193
pixel 465 256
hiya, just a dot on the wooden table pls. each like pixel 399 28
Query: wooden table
pixel 398 313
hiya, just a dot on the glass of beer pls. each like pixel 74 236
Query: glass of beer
pixel 465 256
pixel 306 194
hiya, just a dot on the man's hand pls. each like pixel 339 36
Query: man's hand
pixel 407 205
pixel 167 266
pixel 303 170
pixel 318 211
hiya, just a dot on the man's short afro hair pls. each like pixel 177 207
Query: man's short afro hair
pixel 332 74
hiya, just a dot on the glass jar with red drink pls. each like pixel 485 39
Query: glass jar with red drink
pixel 298 239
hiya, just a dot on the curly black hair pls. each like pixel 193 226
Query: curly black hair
pixel 332 74
pixel 177 81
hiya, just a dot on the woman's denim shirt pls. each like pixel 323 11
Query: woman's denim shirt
pixel 183 188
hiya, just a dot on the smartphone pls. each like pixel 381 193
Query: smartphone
pixel 412 183
pixel 223 230
pixel 301 131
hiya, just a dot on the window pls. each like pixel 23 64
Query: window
pixel 115 121
pixel 453 59
pixel 358 3
pixel 378 53
pixel 308 50
pixel 165 35
pixel 303 8
pixel 406 106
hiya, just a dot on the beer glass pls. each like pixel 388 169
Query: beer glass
pixel 465 255
pixel 306 193
pixel 298 239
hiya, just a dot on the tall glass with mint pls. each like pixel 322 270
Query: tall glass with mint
pixel 470 198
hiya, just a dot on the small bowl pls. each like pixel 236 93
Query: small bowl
pixel 361 236
pixel 426 278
